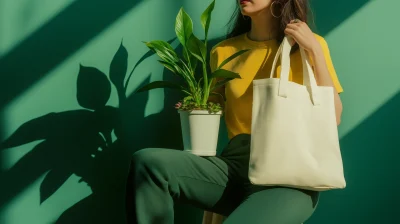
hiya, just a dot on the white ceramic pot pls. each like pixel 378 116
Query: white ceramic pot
pixel 200 131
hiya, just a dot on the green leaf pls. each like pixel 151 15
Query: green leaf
pixel 179 69
pixel 218 95
pixel 186 74
pixel 220 83
pixel 176 68
pixel 232 57
pixel 199 83
pixel 206 18
pixel 222 73
pixel 163 49
pixel 197 48
pixel 190 58
pixel 183 27
pixel 160 84
pixel 170 67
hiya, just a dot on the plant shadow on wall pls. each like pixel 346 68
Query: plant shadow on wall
pixel 29 61
pixel 22 67
pixel 80 142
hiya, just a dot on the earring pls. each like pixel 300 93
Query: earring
pixel 272 8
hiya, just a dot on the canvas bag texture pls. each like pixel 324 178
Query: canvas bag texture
pixel 295 139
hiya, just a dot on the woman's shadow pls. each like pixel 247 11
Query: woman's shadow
pixel 94 143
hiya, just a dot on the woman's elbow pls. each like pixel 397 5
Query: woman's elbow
pixel 338 120
pixel 339 110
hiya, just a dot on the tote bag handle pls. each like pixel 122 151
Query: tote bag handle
pixel 308 74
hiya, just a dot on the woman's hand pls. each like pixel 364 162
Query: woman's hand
pixel 302 34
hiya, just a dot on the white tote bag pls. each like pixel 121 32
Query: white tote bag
pixel 294 139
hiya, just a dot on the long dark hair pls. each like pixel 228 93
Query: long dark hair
pixel 290 10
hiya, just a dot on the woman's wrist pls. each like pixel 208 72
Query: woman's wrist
pixel 319 64
pixel 316 51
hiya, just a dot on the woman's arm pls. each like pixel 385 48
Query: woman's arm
pixel 303 35
pixel 323 77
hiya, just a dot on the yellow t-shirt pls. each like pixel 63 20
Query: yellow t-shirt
pixel 254 64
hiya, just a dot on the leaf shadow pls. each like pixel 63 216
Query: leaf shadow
pixel 79 143
pixel 29 61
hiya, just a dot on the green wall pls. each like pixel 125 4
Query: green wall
pixel 363 48
pixel 55 59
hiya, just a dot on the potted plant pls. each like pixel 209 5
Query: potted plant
pixel 200 116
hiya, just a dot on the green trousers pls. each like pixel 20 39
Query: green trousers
pixel 158 177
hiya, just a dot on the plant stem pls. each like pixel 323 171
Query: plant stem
pixel 206 90
pixel 188 57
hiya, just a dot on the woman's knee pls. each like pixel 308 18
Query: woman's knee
pixel 148 160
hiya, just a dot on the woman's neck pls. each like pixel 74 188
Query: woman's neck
pixel 263 27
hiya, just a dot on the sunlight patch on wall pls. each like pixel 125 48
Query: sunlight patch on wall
pixel 365 53
pixel 56 92
pixel 51 209
pixel 19 19
pixel 11 156
pixel 219 19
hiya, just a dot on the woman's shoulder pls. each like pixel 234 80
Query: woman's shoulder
pixel 228 44
pixel 321 40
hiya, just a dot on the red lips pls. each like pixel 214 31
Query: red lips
pixel 242 2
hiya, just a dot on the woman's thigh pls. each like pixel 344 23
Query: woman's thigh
pixel 275 206
pixel 158 175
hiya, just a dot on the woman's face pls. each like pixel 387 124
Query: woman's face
pixel 252 7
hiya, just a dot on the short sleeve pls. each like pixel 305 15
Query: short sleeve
pixel 330 65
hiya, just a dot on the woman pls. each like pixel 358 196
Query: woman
pixel 158 177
